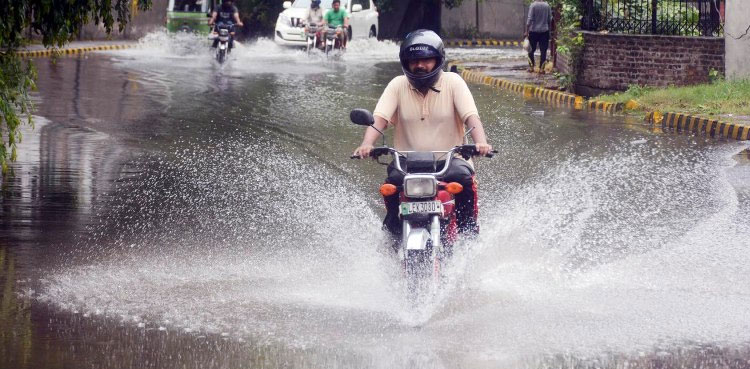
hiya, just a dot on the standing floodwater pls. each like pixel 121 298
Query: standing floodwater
pixel 169 212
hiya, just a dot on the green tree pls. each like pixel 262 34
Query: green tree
pixel 259 16
pixel 56 22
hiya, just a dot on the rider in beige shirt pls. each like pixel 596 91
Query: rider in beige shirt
pixel 315 15
pixel 431 121
pixel 430 111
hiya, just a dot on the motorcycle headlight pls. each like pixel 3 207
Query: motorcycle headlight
pixel 418 186
pixel 285 20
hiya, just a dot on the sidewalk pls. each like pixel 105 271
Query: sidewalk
pixel 514 70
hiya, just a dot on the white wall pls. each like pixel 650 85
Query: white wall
pixel 497 18
pixel 737 39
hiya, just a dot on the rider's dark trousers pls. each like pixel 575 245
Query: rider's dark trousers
pixel 541 39
pixel 466 202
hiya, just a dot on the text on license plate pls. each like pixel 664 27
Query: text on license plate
pixel 424 207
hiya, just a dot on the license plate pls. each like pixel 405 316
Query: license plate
pixel 423 207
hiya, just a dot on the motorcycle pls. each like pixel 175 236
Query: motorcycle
pixel 311 35
pixel 224 33
pixel 426 208
pixel 333 39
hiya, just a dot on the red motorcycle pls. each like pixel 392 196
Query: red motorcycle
pixel 426 208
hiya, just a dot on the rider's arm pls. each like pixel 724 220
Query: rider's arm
pixel 384 111
pixel 213 18
pixel 371 136
pixel 467 110
pixel 478 135
pixel 237 19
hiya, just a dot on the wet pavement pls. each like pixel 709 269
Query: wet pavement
pixel 168 212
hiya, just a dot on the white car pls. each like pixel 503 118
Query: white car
pixel 363 20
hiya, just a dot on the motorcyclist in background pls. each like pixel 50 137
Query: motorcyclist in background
pixel 227 13
pixel 337 17
pixel 315 15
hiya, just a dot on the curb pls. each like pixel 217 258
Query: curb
pixel 71 51
pixel 605 107
pixel 691 124
pixel 488 42
pixel 529 91
pixel 674 121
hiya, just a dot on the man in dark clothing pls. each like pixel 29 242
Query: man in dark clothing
pixel 537 30
pixel 227 13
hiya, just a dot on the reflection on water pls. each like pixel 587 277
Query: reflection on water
pixel 174 213
pixel 15 317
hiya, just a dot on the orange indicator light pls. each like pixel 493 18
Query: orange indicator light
pixel 388 189
pixel 453 188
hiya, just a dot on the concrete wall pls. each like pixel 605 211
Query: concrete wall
pixel 737 36
pixel 497 18
pixel 141 23
pixel 616 61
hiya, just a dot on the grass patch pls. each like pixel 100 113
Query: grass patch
pixel 721 100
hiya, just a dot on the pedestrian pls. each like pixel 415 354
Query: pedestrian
pixel 538 26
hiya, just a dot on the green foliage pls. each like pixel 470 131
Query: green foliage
pixel 725 100
pixel 570 43
pixel 16 80
pixel 259 16
pixel 637 91
pixel 715 76
pixel 57 22
pixel 684 16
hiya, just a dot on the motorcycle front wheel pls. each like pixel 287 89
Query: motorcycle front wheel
pixel 221 55
pixel 422 272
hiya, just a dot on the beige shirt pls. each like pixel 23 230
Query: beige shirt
pixel 432 122
pixel 314 16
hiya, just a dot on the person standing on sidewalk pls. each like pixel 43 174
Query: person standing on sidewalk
pixel 538 26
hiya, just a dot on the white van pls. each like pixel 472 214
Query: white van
pixel 363 20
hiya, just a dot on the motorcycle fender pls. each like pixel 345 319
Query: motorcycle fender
pixel 222 46
pixel 417 239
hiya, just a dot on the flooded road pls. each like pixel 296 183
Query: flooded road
pixel 170 213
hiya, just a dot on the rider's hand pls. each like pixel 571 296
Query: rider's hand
pixel 363 151
pixel 483 148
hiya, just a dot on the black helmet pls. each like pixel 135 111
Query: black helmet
pixel 315 4
pixel 422 44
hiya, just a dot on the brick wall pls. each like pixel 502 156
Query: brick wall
pixel 615 61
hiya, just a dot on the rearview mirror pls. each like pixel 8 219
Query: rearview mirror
pixel 287 4
pixel 362 117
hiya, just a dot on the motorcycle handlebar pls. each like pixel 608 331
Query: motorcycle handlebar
pixel 465 151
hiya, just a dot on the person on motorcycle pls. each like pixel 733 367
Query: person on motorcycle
pixel 337 17
pixel 315 15
pixel 430 110
pixel 227 13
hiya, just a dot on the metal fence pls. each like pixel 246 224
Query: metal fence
pixel 656 17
